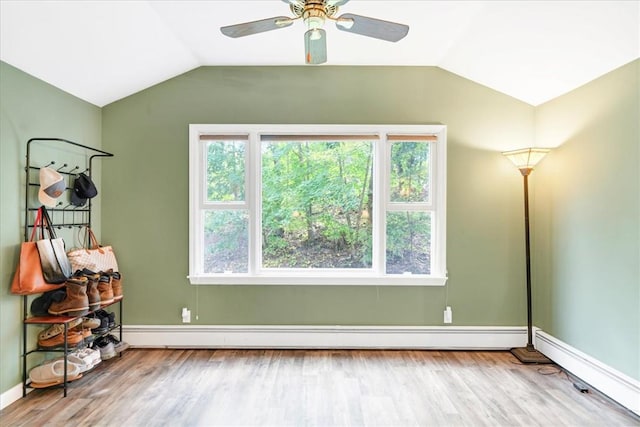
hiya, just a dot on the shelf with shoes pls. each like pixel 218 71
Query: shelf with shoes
pixel 63 160
pixel 61 337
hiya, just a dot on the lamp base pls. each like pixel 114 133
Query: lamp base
pixel 530 355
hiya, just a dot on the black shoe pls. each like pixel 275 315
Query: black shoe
pixel 107 321
pixel 111 317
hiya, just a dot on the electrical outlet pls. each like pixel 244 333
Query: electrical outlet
pixel 186 315
pixel 448 315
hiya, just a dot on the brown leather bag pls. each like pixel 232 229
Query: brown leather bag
pixel 28 278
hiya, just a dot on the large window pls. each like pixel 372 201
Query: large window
pixel 317 204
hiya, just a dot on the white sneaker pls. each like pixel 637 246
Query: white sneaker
pixel 90 355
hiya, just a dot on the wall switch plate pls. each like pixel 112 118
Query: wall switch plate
pixel 448 315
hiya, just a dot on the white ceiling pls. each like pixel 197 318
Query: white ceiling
pixel 102 51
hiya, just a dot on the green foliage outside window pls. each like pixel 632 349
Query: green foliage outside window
pixel 317 206
pixel 316 202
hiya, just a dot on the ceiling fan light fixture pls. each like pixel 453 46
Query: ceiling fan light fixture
pixel 314 22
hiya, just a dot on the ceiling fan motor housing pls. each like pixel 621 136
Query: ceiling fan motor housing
pixel 313 12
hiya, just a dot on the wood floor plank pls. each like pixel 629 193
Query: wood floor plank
pixel 162 387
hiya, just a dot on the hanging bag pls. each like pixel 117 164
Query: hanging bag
pixel 94 257
pixel 56 267
pixel 28 278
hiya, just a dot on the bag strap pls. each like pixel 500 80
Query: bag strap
pixel 47 220
pixel 36 224
pixel 93 242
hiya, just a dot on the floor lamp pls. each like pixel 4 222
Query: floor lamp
pixel 525 160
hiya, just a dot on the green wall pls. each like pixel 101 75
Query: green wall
pixel 29 108
pixel 145 213
pixel 587 219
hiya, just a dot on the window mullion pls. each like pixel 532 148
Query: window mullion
pixel 380 174
pixel 254 201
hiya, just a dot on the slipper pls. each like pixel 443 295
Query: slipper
pixel 52 383
pixel 51 372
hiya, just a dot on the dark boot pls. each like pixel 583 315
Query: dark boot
pixel 76 302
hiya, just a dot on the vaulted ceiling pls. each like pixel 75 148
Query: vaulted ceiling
pixel 102 51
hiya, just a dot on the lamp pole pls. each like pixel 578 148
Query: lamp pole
pixel 525 175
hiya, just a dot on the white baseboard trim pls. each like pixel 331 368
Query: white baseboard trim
pixel 11 395
pixel 618 386
pixel 316 337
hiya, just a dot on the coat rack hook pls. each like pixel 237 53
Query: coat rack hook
pixel 52 162
pixel 62 167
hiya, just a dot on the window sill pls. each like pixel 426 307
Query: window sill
pixel 295 280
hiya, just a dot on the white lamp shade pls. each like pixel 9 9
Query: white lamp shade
pixel 526 158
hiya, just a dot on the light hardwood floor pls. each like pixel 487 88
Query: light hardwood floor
pixel 317 388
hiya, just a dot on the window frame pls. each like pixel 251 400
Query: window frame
pixel 382 205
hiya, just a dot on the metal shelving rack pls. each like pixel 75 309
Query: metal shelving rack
pixel 85 221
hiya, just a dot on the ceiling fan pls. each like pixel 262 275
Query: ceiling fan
pixel 314 13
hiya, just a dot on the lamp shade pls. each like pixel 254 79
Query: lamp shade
pixel 526 158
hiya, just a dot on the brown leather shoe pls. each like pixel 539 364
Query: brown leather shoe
pixel 105 288
pixel 76 302
pixel 116 284
pixel 92 291
pixel 73 339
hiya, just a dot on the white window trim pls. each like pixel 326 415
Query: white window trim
pixel 316 277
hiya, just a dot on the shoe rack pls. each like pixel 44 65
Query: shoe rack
pixel 65 348
pixel 69 159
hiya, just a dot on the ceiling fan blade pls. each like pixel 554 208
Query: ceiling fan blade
pixel 371 27
pixel 255 27
pixel 315 46
pixel 336 2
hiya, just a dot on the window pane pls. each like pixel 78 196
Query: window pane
pixel 317 201
pixel 225 171
pixel 226 241
pixel 410 179
pixel 408 242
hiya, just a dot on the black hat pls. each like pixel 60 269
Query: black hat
pixel 83 189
